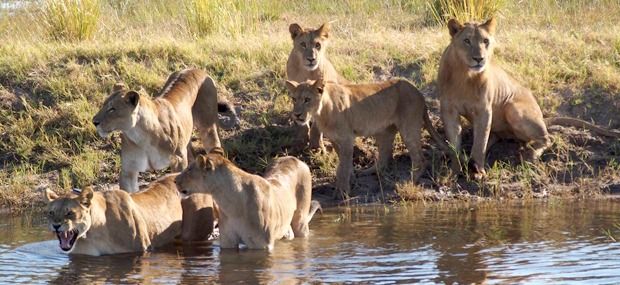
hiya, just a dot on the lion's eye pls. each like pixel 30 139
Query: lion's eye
pixel 318 46
pixel 303 45
pixel 486 41
pixel 50 213
pixel 70 214
pixel 111 110
pixel 294 100
pixel 306 100
pixel 467 41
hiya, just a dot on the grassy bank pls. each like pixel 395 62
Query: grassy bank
pixel 50 86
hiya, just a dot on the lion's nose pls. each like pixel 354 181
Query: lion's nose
pixel 478 59
pixel 56 227
pixel 297 115
pixel 310 59
pixel 95 122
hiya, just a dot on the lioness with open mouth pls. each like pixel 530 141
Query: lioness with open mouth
pixel 254 210
pixel 112 222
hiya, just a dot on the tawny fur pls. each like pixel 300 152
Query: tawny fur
pixel 497 106
pixel 308 61
pixel 254 210
pixel 112 222
pixel 344 112
pixel 156 132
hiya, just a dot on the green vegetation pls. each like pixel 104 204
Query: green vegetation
pixel 56 68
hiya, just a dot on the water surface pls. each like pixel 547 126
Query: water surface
pixel 539 242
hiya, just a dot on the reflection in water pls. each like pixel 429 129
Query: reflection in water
pixel 559 242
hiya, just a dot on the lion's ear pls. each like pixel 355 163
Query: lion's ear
pixel 132 97
pixel 295 30
pixel 490 25
pixel 323 31
pixel 205 163
pixel 319 85
pixel 454 26
pixel 86 196
pixel 49 195
pixel 120 86
pixel 292 86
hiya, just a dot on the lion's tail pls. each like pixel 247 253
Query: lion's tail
pixel 441 142
pixel 205 112
pixel 314 206
pixel 577 123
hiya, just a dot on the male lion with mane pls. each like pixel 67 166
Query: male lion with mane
pixel 497 106
pixel 254 210
pixel 112 222
pixel 344 112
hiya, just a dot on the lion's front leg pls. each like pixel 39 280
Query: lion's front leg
pixel 228 239
pixel 129 180
pixel 452 127
pixel 482 129
pixel 345 167
pixel 316 138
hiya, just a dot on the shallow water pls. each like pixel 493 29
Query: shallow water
pixel 540 242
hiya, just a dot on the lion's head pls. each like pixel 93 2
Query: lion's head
pixel 309 44
pixel 306 98
pixel 202 175
pixel 69 216
pixel 473 43
pixel 119 111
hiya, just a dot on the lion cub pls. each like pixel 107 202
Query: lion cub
pixel 254 210
pixel 308 61
pixel 344 112
pixel 497 106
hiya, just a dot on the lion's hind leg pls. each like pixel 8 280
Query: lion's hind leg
pixel 412 137
pixel 529 127
pixel 385 147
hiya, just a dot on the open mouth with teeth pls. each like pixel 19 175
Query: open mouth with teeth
pixel 67 239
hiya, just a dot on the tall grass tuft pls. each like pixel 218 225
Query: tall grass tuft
pixel 464 10
pixel 71 20
pixel 232 17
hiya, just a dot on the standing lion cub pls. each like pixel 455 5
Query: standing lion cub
pixel 497 106
pixel 254 210
pixel 308 61
pixel 344 112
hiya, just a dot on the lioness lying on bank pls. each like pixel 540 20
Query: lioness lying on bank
pixel 344 112
pixel 254 210
pixel 112 222
pixel 470 85
pixel 156 132
pixel 308 61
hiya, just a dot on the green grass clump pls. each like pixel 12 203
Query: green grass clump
pixel 464 10
pixel 71 20
pixel 231 17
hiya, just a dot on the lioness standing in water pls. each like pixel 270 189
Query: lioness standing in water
pixel 254 210
pixel 308 61
pixel 112 222
pixel 497 106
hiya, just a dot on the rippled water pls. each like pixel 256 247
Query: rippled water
pixel 540 242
